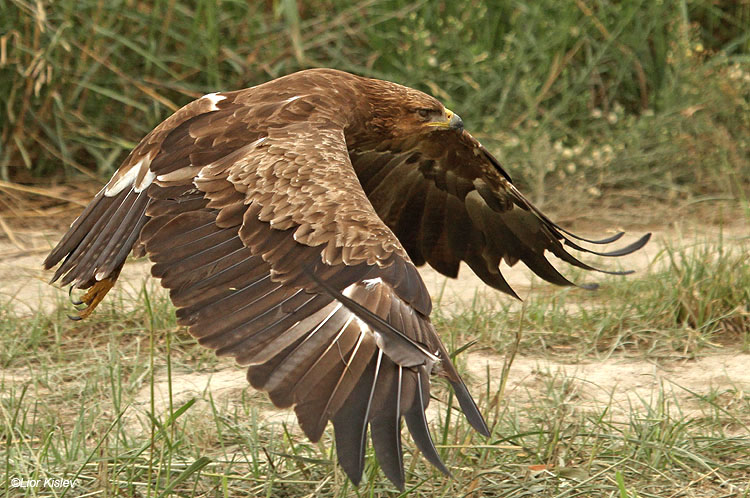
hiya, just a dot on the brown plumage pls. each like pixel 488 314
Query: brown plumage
pixel 286 221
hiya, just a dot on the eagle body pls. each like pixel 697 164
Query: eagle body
pixel 287 221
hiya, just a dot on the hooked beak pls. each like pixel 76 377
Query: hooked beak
pixel 452 121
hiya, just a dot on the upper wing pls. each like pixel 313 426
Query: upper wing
pixel 448 200
pixel 274 256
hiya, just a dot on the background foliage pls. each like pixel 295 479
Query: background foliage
pixel 633 96
pixel 585 101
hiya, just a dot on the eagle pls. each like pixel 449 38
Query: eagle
pixel 288 220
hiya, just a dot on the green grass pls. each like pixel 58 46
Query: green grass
pixel 644 101
pixel 691 300
pixel 103 402
pixel 603 103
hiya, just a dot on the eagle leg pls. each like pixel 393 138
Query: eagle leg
pixel 93 297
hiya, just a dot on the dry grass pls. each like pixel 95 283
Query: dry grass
pixel 618 102
pixel 127 404
pixel 607 104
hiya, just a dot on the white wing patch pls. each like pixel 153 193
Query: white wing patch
pixel 372 282
pixel 215 98
pixel 129 177
pixel 179 174
pixel 145 182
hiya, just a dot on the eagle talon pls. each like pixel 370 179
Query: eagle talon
pixel 92 298
pixel 74 301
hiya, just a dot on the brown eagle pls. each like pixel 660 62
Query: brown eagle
pixel 287 221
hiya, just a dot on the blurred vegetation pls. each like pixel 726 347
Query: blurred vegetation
pixel 619 97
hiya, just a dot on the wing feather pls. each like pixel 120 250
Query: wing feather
pixel 417 422
pixel 253 206
pixel 466 208
pixel 385 424
pixel 350 423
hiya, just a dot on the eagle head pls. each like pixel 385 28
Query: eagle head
pixel 396 111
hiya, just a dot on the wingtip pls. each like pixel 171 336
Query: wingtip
pixel 469 407
pixel 624 251
pixel 483 430
pixel 631 248
pixel 51 260
pixel 396 480
pixel 354 477
pixel 416 422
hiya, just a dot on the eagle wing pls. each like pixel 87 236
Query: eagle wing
pixel 273 255
pixel 448 200
pixel 286 221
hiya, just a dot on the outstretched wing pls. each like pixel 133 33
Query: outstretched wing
pixel 273 255
pixel 448 200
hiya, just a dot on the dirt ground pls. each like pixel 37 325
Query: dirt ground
pixel 623 383
pixel 24 283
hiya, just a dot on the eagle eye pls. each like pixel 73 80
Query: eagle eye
pixel 425 113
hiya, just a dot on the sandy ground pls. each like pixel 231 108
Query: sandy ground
pixel 24 284
pixel 626 384
pixel 623 385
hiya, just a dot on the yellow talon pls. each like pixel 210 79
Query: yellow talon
pixel 93 297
